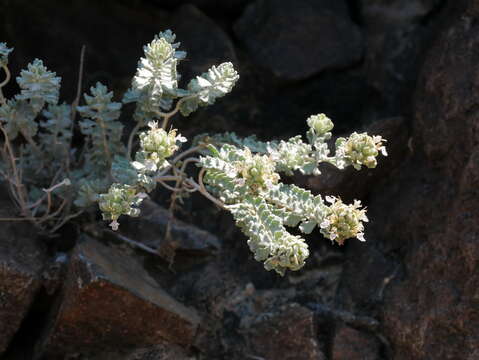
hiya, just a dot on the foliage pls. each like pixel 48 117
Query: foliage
pixel 240 175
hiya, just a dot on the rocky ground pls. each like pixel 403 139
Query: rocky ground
pixel 404 69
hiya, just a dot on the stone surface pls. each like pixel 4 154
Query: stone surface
pixel 156 352
pixel 431 306
pixel 110 302
pixel 298 39
pixel 351 344
pixel 396 33
pixel 114 34
pixel 186 241
pixel 204 41
pixel 288 334
pixel 22 258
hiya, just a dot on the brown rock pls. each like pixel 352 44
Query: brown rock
pixel 287 334
pixel 156 352
pixel 351 344
pixel 432 310
pixel 22 258
pixel 298 39
pixel 110 302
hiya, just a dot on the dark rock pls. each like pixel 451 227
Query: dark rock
pixel 386 13
pixel 216 8
pixel 351 184
pixel 156 352
pixel 113 33
pixel 351 344
pixel 289 333
pixel 396 34
pixel 431 307
pixel 204 41
pixel 298 39
pixel 110 302
pixel 187 241
pixel 22 258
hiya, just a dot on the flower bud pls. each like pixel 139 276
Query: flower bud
pixel 320 124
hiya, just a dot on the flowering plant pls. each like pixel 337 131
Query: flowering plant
pixel 240 175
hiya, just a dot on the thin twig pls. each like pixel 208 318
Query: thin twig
pixel 76 101
pixel 4 82
pixel 133 242
pixel 130 139
pixel 166 116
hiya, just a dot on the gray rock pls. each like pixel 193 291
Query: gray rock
pixel 204 41
pixel 22 258
pixel 184 239
pixel 110 302
pixel 297 39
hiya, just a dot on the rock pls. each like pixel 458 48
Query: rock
pixel 204 41
pixel 215 8
pixel 187 241
pixel 296 40
pixel 22 258
pixel 351 184
pixel 110 302
pixel 156 352
pixel 396 33
pixel 431 306
pixel 351 344
pixel 289 333
pixel 114 34
pixel 386 13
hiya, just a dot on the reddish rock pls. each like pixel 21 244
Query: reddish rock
pixel 110 302
pixel 298 39
pixel 351 344
pixel 22 258
pixel 431 311
pixel 290 333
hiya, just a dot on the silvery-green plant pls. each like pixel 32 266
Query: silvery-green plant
pixel 51 182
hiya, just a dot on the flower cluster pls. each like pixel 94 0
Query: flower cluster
pixel 343 221
pixel 360 149
pixel 156 146
pixel 257 171
pixel 120 200
pixel 320 124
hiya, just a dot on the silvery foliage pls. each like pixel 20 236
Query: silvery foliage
pixel 243 174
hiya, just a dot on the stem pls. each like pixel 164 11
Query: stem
pixel 133 242
pixel 167 116
pixel 20 189
pixel 130 139
pixel 181 156
pixel 205 193
pixel 4 82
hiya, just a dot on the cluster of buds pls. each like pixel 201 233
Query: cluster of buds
pixel 156 146
pixel 119 200
pixel 320 124
pixel 360 149
pixel 258 171
pixel 343 221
